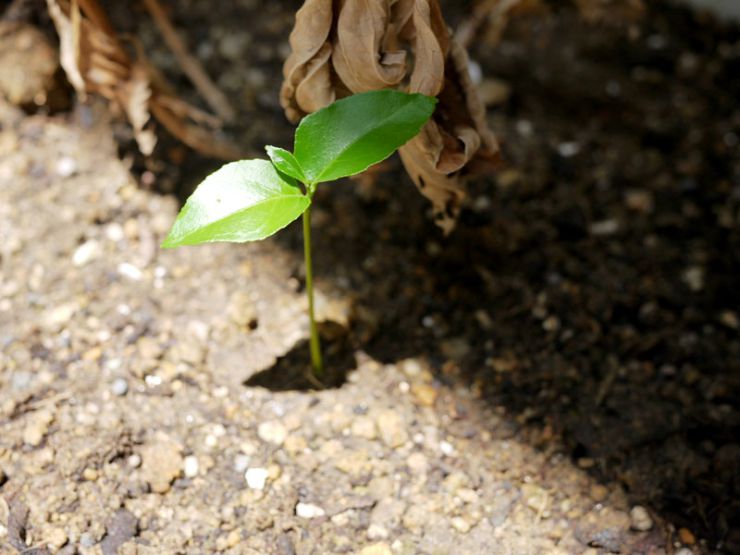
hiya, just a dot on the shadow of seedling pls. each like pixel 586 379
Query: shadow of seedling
pixel 292 371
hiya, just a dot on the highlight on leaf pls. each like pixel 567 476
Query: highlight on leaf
pixel 243 201
pixel 351 135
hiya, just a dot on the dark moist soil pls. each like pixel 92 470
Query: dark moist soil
pixel 611 275
pixel 593 287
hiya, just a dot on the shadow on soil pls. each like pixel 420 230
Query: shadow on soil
pixel 592 290
pixel 292 372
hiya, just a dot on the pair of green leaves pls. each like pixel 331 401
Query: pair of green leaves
pixel 253 199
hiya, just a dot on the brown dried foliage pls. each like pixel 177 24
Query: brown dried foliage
pixel 96 62
pixel 341 47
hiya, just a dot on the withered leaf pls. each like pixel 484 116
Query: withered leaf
pixel 341 47
pixel 96 62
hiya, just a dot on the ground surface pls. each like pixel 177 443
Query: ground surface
pixel 569 354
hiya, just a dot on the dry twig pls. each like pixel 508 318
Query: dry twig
pixel 190 65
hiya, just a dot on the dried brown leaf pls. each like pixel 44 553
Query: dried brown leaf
pixel 349 46
pixel 611 11
pixel 367 55
pixel 96 62
pixel 134 96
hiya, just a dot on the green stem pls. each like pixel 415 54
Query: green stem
pixel 315 343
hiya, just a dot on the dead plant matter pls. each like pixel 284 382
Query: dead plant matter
pixel 96 62
pixel 351 46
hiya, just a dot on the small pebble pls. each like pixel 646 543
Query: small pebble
pixel 161 464
pixel 730 319
pixel 599 492
pixel 272 432
pixel 640 519
pixel 425 395
pixel 376 532
pixel 241 463
pixel 364 427
pixel 119 387
pixel 568 149
pixel 57 538
pixel 130 271
pixel 66 166
pixel 377 549
pixel 392 428
pixel 307 510
pixel 551 324
pixel 134 461
pixel 460 524
pixel 190 466
pixel 257 478
pixel 87 539
pixel 86 253
pixel 604 228
pixel 694 278
pixel 114 232
pixel 417 463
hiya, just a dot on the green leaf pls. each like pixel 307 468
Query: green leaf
pixel 285 162
pixel 243 201
pixel 349 136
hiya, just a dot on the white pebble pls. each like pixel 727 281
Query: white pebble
pixel 460 524
pixel 256 478
pixel 568 149
pixel 694 278
pixel 191 466
pixel 66 166
pixel 85 253
pixel 604 228
pixel 641 520
pixel 130 271
pixel 134 461
pixel 447 448
pixel 272 432
pixel 114 232
pixel 119 387
pixel 307 510
pixel 377 532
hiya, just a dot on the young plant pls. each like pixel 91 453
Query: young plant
pixel 250 200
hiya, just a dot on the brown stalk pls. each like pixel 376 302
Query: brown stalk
pixel 189 64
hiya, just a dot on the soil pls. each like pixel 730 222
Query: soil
pixel 560 375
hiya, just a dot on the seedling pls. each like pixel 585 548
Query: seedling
pixel 250 200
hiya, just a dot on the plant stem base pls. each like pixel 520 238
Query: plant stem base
pixel 317 362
